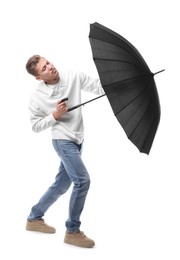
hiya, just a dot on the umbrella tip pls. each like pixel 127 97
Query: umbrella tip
pixel 158 72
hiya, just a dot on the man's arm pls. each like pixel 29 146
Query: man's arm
pixel 40 121
pixel 91 85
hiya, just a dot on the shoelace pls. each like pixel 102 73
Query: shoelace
pixel 80 233
pixel 40 220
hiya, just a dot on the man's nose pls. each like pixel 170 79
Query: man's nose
pixel 50 67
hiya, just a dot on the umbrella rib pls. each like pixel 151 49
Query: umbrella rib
pixel 140 76
pixel 129 136
pixel 152 121
pixel 150 127
pixel 135 52
pixel 123 61
pixel 130 102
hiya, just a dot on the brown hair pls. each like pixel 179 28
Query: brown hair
pixel 32 63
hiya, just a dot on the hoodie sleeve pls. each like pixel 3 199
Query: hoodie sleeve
pixel 39 120
pixel 91 85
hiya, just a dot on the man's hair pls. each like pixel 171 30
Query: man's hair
pixel 32 63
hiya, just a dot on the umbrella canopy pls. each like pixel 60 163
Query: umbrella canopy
pixel 129 85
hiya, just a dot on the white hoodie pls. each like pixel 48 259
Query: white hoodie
pixel 45 97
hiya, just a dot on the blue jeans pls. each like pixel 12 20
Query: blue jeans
pixel 71 169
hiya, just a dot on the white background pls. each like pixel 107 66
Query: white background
pixel 132 209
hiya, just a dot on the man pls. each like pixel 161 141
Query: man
pixel 47 109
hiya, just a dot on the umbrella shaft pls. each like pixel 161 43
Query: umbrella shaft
pixel 82 104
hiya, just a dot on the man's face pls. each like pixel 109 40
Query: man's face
pixel 46 71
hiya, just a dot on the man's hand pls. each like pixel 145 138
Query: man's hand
pixel 61 108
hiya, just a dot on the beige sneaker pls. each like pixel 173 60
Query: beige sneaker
pixel 78 239
pixel 40 226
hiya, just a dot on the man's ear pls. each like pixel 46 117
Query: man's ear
pixel 38 78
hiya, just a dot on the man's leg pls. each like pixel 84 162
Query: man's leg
pixel 59 187
pixel 70 154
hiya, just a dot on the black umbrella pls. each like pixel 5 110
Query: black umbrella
pixel 129 85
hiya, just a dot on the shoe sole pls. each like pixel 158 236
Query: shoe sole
pixel 79 245
pixel 42 231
